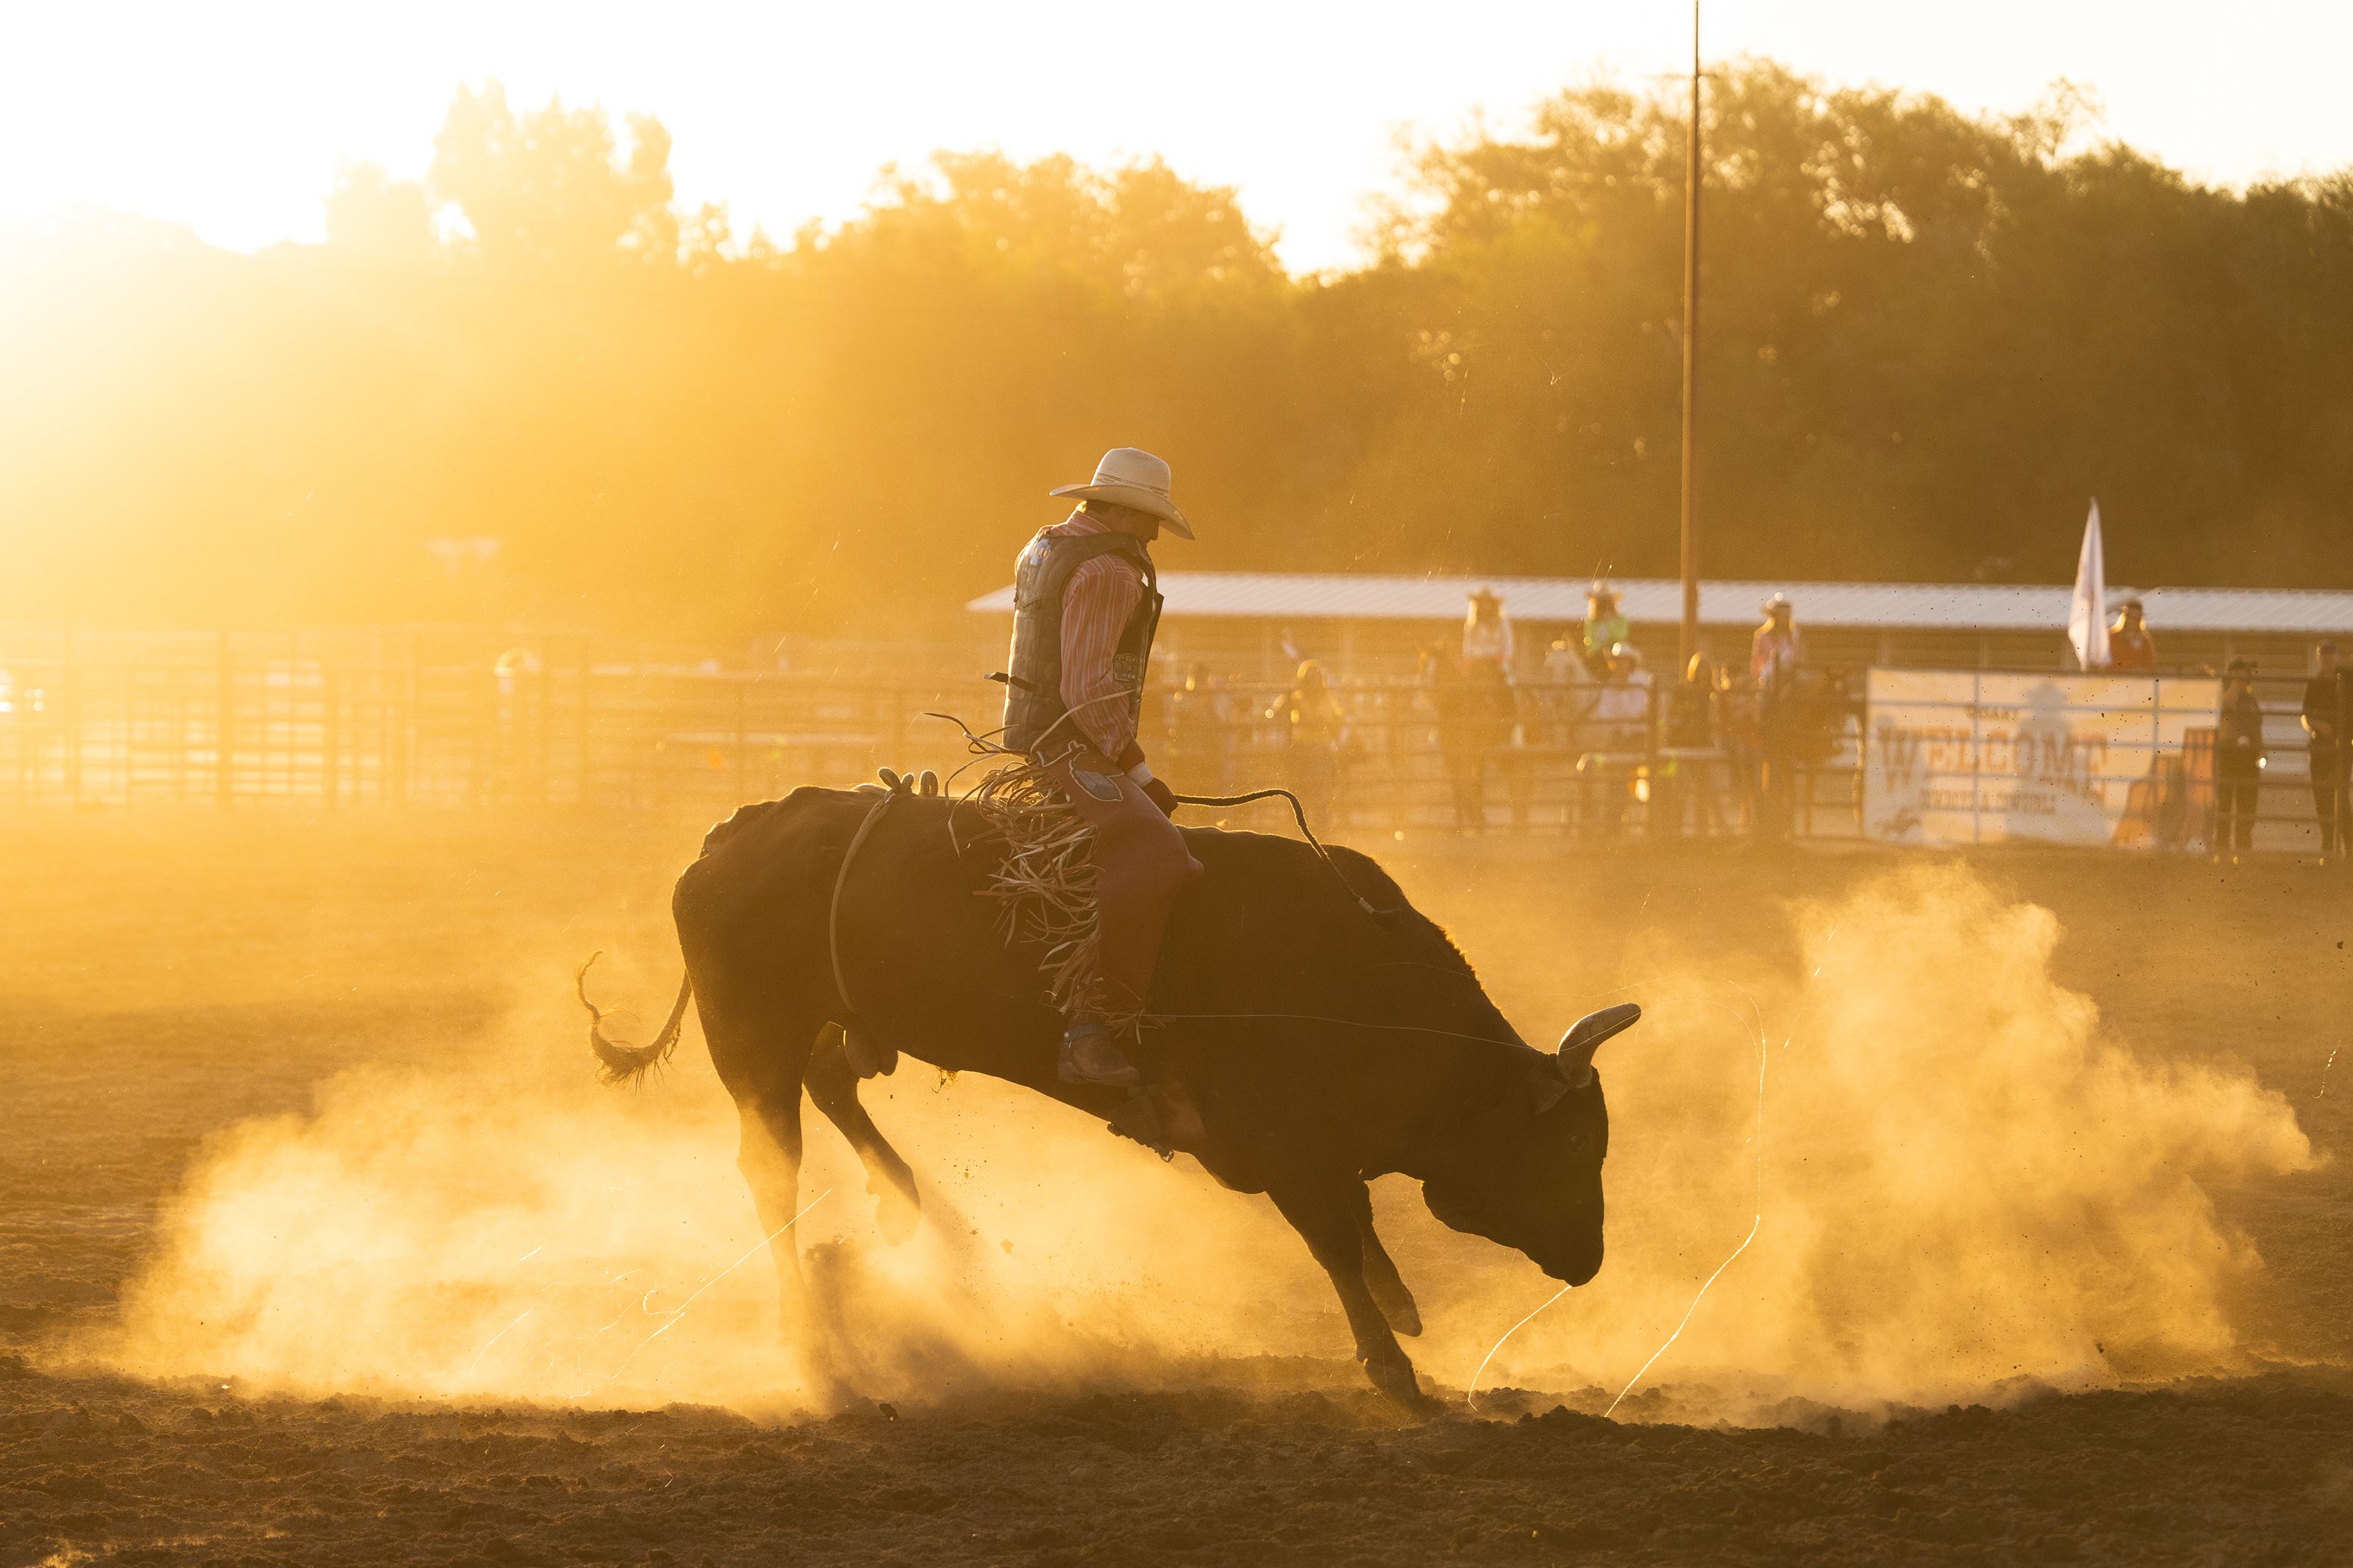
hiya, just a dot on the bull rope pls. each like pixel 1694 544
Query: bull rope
pixel 984 747
pixel 840 881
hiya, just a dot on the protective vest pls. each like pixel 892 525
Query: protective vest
pixel 1035 718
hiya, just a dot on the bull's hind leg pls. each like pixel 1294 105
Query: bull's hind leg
pixel 1325 1215
pixel 833 1084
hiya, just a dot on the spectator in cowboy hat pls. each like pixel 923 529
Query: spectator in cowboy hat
pixel 2131 651
pixel 1486 635
pixel 1489 702
pixel 1605 628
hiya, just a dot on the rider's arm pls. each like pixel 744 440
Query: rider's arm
pixel 1101 596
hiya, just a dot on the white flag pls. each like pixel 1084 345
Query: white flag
pixel 2087 612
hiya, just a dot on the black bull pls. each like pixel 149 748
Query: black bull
pixel 1306 1046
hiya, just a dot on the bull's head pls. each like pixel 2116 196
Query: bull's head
pixel 1532 1178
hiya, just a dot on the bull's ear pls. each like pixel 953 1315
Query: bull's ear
pixel 1576 1046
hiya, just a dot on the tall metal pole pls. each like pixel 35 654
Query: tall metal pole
pixel 1689 643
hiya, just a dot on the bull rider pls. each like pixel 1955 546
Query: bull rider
pixel 1086 602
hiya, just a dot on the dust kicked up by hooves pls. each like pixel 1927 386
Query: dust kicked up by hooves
pixel 1958 1180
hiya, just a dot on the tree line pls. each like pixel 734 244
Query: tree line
pixel 1927 339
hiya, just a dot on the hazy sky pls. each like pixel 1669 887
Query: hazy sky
pixel 232 117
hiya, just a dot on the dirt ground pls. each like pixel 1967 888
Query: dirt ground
pixel 165 979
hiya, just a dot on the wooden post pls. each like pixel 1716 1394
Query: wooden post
pixel 485 687
pixel 72 705
pixel 330 738
pixel 225 728
pixel 408 726
pixel 542 682
pixel 588 685
pixel 1688 642
pixel 743 737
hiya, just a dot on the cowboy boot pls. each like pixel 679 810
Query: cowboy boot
pixel 1090 1055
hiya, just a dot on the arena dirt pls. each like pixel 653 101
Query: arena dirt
pixel 290 1100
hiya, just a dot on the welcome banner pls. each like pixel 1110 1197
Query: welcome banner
pixel 1983 757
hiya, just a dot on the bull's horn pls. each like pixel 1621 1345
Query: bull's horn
pixel 1577 1045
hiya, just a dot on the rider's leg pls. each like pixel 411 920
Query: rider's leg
pixel 1141 865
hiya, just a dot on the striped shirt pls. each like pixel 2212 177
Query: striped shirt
pixel 1096 603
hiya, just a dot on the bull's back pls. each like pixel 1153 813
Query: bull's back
pixel 771 862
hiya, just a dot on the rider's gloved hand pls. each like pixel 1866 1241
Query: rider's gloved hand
pixel 1139 773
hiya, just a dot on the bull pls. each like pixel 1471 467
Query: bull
pixel 1311 1031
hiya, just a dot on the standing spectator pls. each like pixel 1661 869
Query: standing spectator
pixel 1605 628
pixel 2131 651
pixel 2328 707
pixel 1742 739
pixel 1570 691
pixel 1486 637
pixel 1315 738
pixel 2238 762
pixel 1774 657
pixel 1621 728
pixel 1459 735
pixel 1625 704
pixel 1490 707
pixel 1691 725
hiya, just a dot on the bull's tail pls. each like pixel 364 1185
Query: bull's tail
pixel 618 1063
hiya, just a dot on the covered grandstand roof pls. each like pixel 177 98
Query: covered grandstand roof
pixel 1972 607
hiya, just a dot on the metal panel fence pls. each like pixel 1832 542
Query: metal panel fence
pixel 365 719
pixel 344 721
pixel 250 720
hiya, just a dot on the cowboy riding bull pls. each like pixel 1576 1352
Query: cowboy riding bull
pixel 1294 1024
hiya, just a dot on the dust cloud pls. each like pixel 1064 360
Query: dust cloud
pixel 1964 1184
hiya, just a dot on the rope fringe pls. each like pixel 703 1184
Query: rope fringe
pixel 1044 884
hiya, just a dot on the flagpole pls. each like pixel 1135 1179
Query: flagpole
pixel 1689 641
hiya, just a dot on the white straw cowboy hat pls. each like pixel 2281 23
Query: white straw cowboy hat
pixel 1127 476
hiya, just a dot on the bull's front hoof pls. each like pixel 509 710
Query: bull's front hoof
pixel 1396 1379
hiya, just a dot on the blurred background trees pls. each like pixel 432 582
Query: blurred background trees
pixel 1930 338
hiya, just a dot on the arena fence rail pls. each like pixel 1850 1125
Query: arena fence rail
pixel 372 720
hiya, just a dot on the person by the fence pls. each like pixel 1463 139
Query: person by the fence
pixel 1457 734
pixel 1775 655
pixel 1605 628
pixel 2328 708
pixel 1314 730
pixel 1831 742
pixel 1085 607
pixel 1487 703
pixel 2131 651
pixel 1688 774
pixel 1569 687
pixel 1620 732
pixel 2238 762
